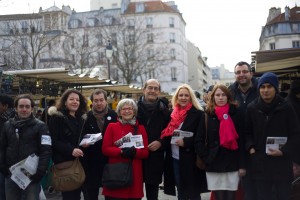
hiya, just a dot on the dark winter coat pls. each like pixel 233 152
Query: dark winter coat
pixel 65 132
pixel 32 137
pixel 216 157
pixel 277 121
pixel 114 132
pixel 154 123
pixel 192 179
pixel 93 159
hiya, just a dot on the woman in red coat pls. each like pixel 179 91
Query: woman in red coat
pixel 127 123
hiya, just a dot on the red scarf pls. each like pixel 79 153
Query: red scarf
pixel 227 132
pixel 177 117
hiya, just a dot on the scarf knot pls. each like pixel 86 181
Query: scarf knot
pixel 177 117
pixel 227 132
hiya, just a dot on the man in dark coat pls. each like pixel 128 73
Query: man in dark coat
pixel 271 116
pixel 6 112
pixel 21 137
pixel 93 160
pixel 244 91
pixel 154 114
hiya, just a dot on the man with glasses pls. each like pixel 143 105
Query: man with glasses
pixel 21 137
pixel 244 91
pixel 154 114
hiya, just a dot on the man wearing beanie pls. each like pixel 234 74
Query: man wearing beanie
pixel 271 116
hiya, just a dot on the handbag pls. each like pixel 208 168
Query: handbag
pixel 199 161
pixel 118 175
pixel 69 175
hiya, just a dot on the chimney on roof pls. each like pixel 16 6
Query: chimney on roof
pixel 273 12
pixel 287 13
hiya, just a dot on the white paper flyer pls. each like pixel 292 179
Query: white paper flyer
pixel 179 134
pixel 90 139
pixel 21 171
pixel 275 143
pixel 130 140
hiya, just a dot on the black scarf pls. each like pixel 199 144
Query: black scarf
pixel 21 123
pixel 267 108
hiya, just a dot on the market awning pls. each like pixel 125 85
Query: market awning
pixel 281 61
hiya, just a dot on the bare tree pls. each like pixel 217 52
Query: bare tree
pixel 135 53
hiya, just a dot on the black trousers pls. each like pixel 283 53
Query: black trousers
pixel 152 191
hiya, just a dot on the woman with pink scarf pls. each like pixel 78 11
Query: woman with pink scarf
pixel 219 144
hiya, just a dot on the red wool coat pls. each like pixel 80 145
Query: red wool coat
pixel 114 132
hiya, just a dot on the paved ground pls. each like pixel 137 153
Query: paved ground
pixel 162 196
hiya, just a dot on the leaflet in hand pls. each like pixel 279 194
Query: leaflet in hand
pixel 90 139
pixel 23 170
pixel 130 140
pixel 275 143
pixel 179 134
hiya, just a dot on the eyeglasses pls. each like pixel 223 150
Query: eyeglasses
pixel 152 88
pixel 126 109
pixel 242 72
pixel 24 106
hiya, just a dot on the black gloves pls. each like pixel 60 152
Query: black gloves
pixel 128 152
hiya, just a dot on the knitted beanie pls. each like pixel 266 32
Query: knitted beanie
pixel 270 78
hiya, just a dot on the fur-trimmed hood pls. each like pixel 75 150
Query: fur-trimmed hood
pixel 53 111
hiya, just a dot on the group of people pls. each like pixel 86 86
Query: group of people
pixel 230 136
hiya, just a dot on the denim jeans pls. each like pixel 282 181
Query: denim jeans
pixel 2 187
pixel 14 192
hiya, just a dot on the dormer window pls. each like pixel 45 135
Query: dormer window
pixel 139 7
pixel 90 22
pixel 74 23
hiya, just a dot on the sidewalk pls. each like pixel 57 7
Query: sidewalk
pixel 162 196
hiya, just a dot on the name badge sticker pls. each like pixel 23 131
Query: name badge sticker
pixel 46 140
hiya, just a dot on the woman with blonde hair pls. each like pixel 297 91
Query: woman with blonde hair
pixel 189 180
pixel 218 143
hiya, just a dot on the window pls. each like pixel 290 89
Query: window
pixel 24 60
pixel 171 21
pixel 149 22
pixel 114 39
pixel 173 54
pixel 85 40
pixel 24 42
pixel 131 39
pixel 272 46
pixel 47 21
pixel 108 20
pixel 139 7
pixel 90 22
pixel 55 21
pixel 172 37
pixel 150 37
pixel 150 54
pixel 173 74
pixel 151 74
pixel 296 44
pixel 130 23
pixel 7 27
pixel 100 57
pixel 99 39
pixel 85 59
pixel 24 25
pixel 74 23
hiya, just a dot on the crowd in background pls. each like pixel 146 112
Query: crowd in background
pixel 228 130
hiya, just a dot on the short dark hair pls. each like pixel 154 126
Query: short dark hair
pixel 98 91
pixel 24 96
pixel 6 100
pixel 241 63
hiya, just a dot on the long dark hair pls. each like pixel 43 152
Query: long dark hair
pixel 61 105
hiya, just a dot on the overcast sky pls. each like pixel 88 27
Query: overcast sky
pixel 225 31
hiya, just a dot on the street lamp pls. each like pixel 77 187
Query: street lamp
pixel 108 53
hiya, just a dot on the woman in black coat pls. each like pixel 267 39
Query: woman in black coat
pixel 66 125
pixel 219 144
pixel 189 180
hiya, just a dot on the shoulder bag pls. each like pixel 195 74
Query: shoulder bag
pixel 118 175
pixel 69 175
pixel 199 161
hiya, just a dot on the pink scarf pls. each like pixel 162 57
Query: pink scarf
pixel 177 117
pixel 227 132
